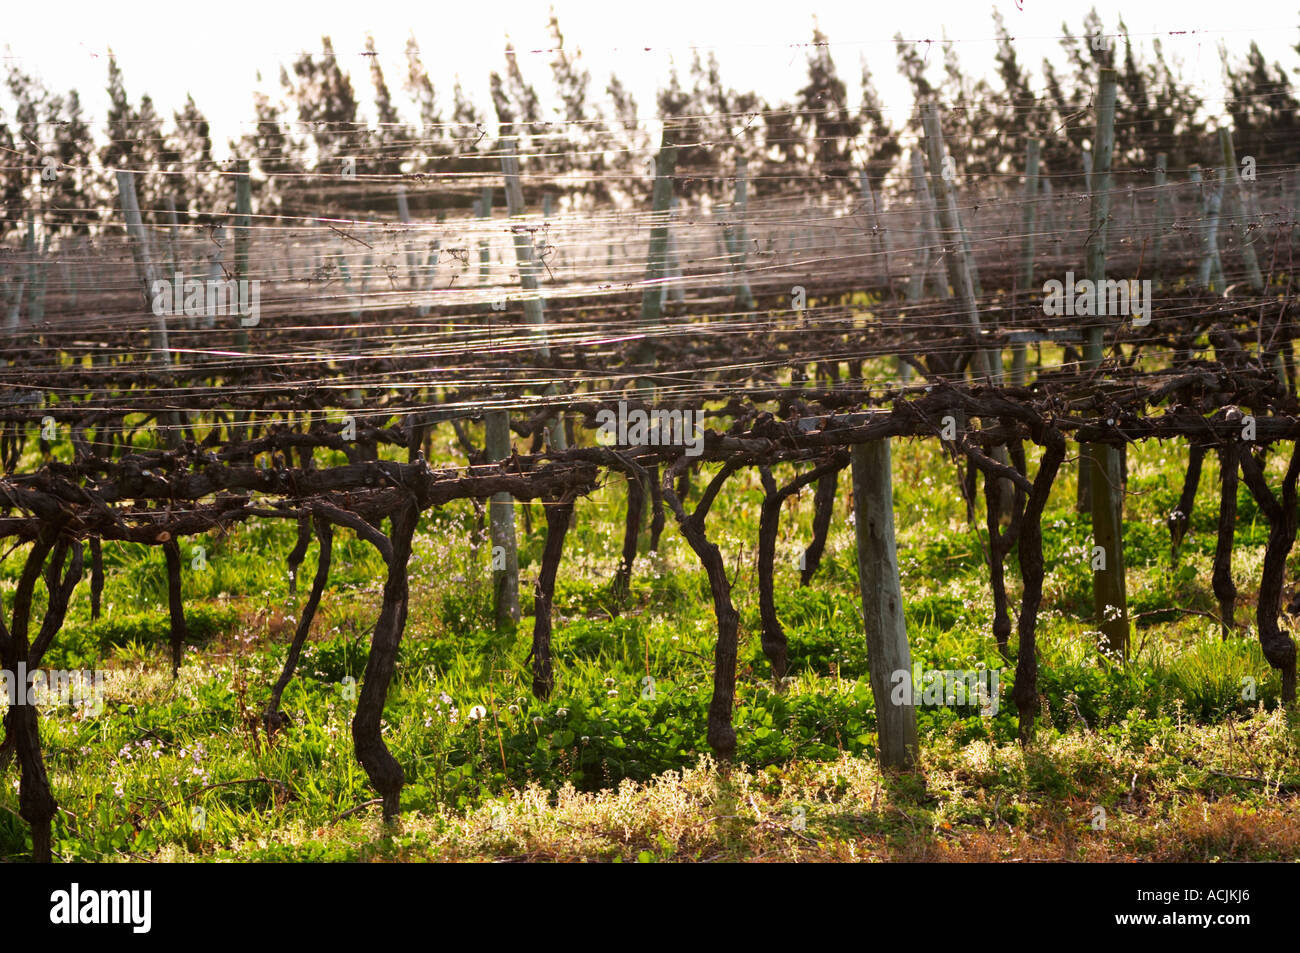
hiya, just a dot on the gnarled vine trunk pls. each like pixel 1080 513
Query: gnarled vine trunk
pixel 558 516
pixel 175 606
pixel 1181 518
pixel 36 804
pixel 775 644
pixel 272 717
pixel 1278 646
pixel 1025 692
pixel 823 510
pixel 383 769
pixel 721 733
pixel 1001 540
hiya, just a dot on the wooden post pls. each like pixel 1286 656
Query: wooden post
pixel 1231 174
pixel 1051 225
pixel 728 253
pixel 146 270
pixel 484 248
pixel 1216 218
pixel 1087 180
pixel 243 217
pixel 882 603
pixel 972 266
pixel 1028 224
pixel 950 221
pixel 13 315
pixel 744 297
pixel 672 289
pixel 354 393
pixel 661 203
pixel 920 244
pixel 505 552
pixel 1162 210
pixel 523 242
pixel 173 234
pixel 1134 225
pixel 929 234
pixel 677 291
pixel 216 251
pixel 668 256
pixel 243 220
pixel 1109 587
pixel 67 255
pixel 526 260
pixel 346 273
pixel 870 208
pixel 173 246
pixel 404 213
pixel 365 273
pixel 872 215
pixel 36 271
pixel 431 268
pixel 1030 213
pixel 1212 264
pixel 1194 177
pixel 1210 276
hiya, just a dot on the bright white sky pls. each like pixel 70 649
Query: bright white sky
pixel 214 51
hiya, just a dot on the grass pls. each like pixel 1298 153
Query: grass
pixel 1185 763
